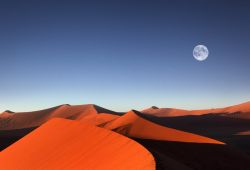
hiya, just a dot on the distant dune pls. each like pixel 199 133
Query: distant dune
pixel 240 111
pixel 247 133
pixel 165 112
pixel 34 119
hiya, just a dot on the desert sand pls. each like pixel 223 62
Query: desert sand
pixel 227 111
pixel 66 144
pixel 22 120
pixel 133 125
pixel 167 138
pixel 229 125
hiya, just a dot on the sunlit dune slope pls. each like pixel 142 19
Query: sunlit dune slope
pixel 67 144
pixel 99 119
pixel 6 114
pixel 240 111
pixel 165 111
pixel 33 119
pixel 132 125
pixel 243 133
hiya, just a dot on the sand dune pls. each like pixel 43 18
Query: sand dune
pixel 34 119
pixel 165 112
pixel 244 133
pixel 132 125
pixel 97 115
pixel 240 111
pixel 99 119
pixel 6 114
pixel 215 126
pixel 66 144
pixel 14 126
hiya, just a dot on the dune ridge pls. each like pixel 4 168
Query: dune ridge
pixel 91 122
pixel 132 125
pixel 241 109
pixel 67 144
pixel 22 120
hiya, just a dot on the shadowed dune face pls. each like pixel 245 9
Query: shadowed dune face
pixel 133 125
pixel 66 144
pixel 8 137
pixel 187 156
pixel 211 125
pixel 230 125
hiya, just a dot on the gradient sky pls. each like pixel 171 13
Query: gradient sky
pixel 123 54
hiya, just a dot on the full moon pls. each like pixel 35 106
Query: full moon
pixel 200 52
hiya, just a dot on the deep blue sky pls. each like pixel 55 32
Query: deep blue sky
pixel 123 54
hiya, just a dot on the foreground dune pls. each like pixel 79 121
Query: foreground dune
pixel 66 144
pixel 133 125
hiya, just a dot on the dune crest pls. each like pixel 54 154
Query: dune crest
pixel 165 111
pixel 67 144
pixel 22 120
pixel 132 125
pixel 242 109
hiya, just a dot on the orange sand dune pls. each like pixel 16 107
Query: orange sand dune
pixel 6 114
pixel 133 125
pixel 171 112
pixel 243 133
pixel 33 119
pixel 99 119
pixel 166 112
pixel 129 124
pixel 243 107
pixel 67 144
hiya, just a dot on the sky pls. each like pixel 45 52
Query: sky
pixel 123 54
